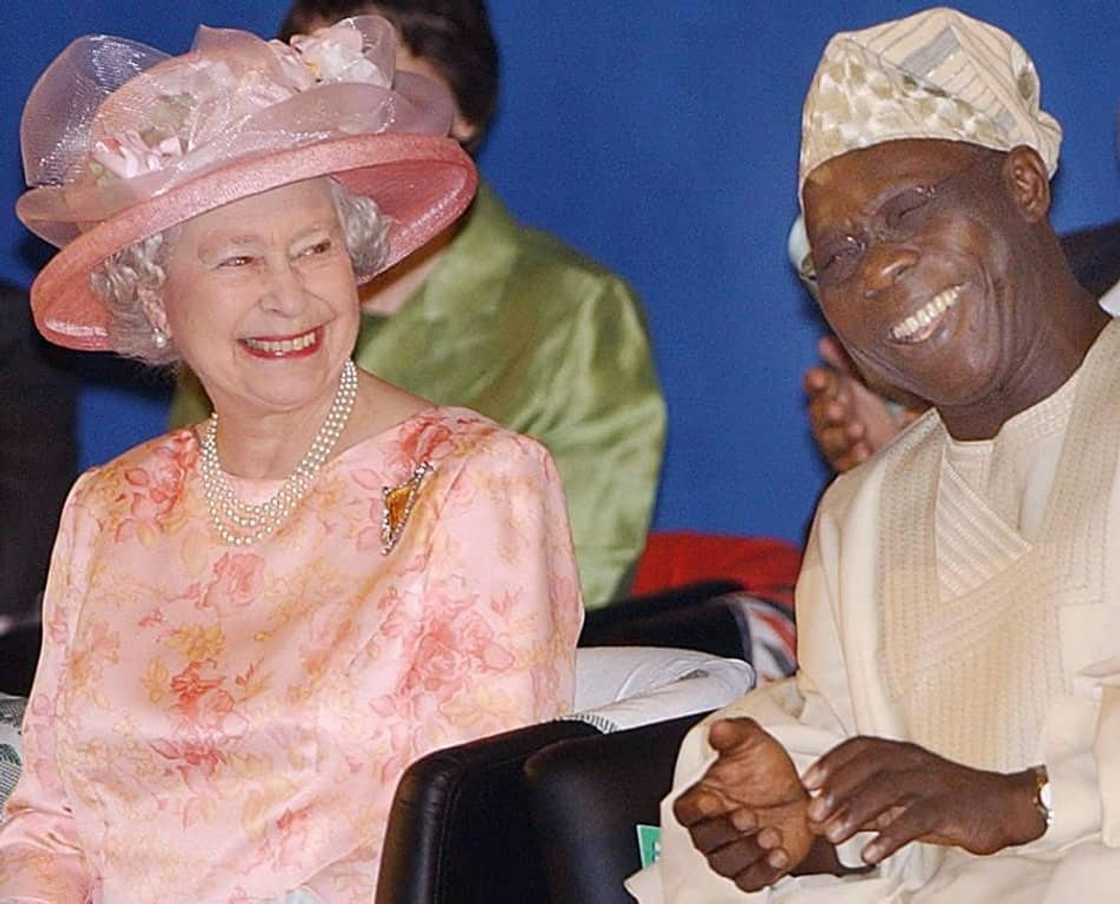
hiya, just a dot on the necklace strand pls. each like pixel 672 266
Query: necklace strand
pixel 242 523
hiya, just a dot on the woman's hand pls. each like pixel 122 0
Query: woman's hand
pixel 747 815
pixel 906 794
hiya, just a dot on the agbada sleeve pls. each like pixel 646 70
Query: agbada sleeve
pixel 1081 740
pixel 605 427
pixel 41 855
pixel 1080 743
pixel 803 719
pixel 808 714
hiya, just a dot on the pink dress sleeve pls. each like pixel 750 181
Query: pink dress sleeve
pixel 40 857
pixel 503 608
pixel 492 634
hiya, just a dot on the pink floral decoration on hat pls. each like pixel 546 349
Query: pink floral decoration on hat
pixel 129 154
pixel 338 54
pixel 211 89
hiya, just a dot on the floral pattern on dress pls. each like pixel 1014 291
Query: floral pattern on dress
pixel 229 724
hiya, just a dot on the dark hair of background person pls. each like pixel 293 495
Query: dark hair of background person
pixel 453 35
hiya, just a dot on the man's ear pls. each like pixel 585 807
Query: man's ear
pixel 1028 182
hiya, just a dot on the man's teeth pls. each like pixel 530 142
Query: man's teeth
pixel 282 346
pixel 927 314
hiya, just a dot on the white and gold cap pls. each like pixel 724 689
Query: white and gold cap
pixel 936 74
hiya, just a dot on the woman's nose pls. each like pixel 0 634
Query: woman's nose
pixel 884 264
pixel 285 293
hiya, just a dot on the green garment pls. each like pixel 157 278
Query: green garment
pixel 520 328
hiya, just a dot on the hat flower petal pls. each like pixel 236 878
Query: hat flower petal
pixel 337 54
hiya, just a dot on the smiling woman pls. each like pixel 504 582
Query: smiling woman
pixel 255 624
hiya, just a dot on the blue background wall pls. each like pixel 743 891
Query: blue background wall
pixel 660 137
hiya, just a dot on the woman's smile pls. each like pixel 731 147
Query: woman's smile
pixel 299 345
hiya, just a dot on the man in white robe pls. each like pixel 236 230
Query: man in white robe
pixel 953 732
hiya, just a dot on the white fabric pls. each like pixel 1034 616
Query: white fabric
pixel 11 745
pixel 1110 301
pixel 624 687
pixel 849 682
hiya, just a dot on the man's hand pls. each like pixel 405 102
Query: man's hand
pixel 905 793
pixel 747 815
pixel 848 420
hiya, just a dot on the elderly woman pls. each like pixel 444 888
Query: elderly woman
pixel 953 731
pixel 254 625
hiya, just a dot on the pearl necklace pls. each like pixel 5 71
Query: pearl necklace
pixel 253 522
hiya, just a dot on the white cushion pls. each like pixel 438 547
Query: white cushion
pixel 624 687
pixel 11 744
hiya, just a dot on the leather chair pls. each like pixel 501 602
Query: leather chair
pixel 19 656
pixel 459 831
pixel 518 816
pixel 588 795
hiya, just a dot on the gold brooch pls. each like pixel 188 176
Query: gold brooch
pixel 399 502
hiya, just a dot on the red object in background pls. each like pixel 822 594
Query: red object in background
pixel 764 566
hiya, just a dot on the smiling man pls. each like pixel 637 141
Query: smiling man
pixel 953 732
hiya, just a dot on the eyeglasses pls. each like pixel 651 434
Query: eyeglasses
pixel 898 219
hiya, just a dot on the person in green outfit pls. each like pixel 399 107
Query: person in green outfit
pixel 509 321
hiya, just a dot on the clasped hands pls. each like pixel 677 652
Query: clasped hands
pixel 756 821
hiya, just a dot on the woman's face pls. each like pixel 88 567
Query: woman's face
pixel 260 299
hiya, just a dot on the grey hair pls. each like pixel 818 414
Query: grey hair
pixel 131 281
pixel 365 229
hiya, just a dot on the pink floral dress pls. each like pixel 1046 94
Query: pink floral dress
pixel 228 724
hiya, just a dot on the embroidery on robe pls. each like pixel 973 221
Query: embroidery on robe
pixel 399 502
pixel 993 656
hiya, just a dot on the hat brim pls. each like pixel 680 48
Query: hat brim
pixel 421 183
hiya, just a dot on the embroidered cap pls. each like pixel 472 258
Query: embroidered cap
pixel 937 74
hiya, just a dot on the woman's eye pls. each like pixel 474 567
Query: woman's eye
pixel 318 248
pixel 238 260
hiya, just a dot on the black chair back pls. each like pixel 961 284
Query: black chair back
pixel 587 796
pixel 459 830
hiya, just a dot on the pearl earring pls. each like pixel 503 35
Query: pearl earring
pixel 159 338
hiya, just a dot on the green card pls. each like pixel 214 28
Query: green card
pixel 649 844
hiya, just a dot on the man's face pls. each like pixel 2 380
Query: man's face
pixel 912 242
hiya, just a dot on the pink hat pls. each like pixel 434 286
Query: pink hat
pixel 121 141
